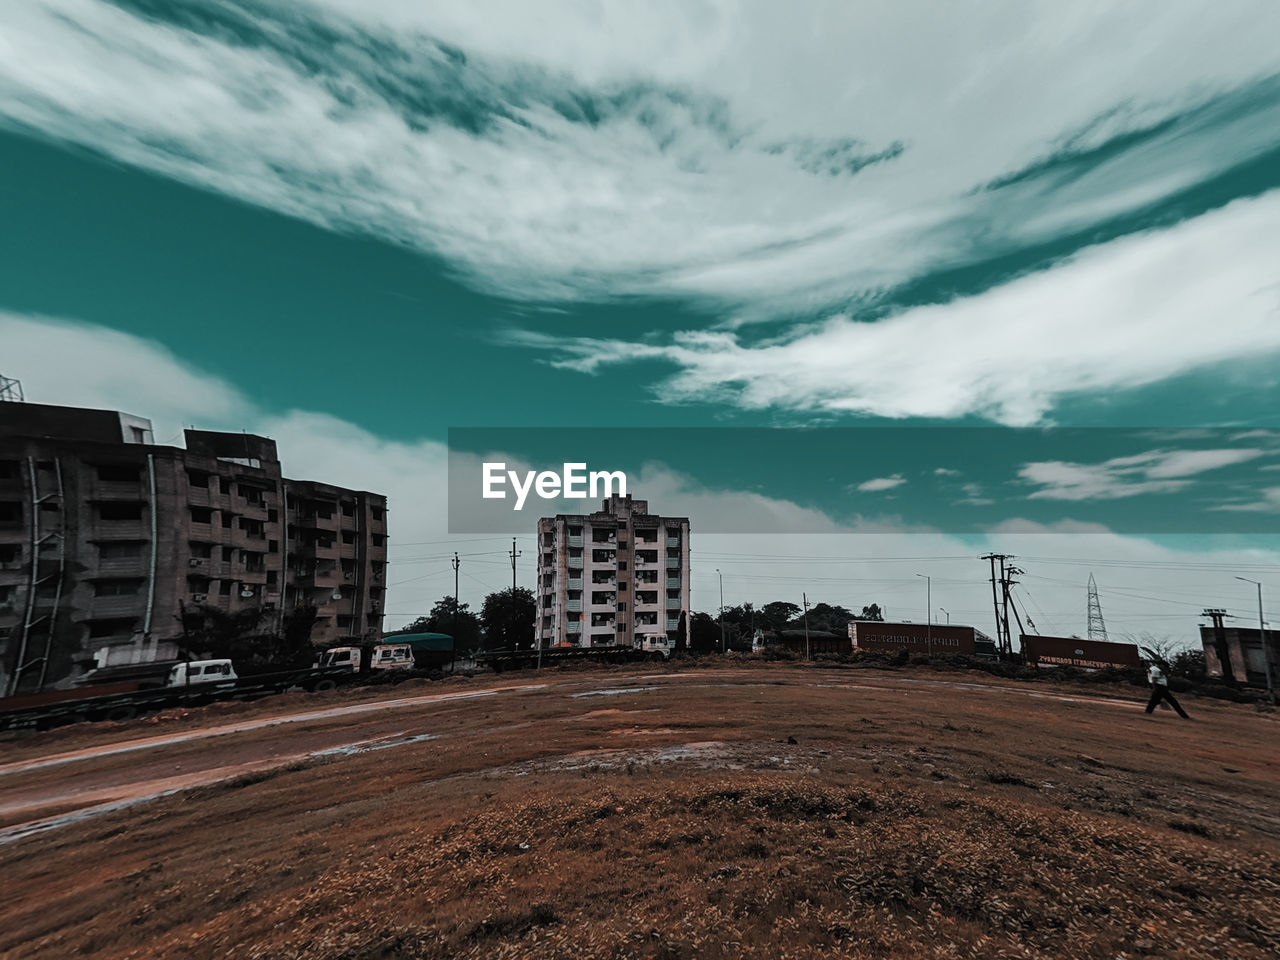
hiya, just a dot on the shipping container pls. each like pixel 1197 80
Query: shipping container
pixel 1074 652
pixel 930 639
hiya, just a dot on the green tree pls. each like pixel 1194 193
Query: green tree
pixel 704 633
pixel 507 619
pixel 776 615
pixel 441 620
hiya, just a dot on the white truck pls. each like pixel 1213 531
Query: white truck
pixel 384 656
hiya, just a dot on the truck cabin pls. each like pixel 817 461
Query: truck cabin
pixel 392 656
pixel 655 643
pixel 202 671
pixel 348 657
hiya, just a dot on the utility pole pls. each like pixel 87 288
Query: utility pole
pixel 1002 625
pixel 1262 636
pixel 721 576
pixel 456 564
pixel 804 597
pixel 928 612
pixel 513 554
pixel 1216 614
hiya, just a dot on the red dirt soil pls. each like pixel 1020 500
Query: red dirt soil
pixel 745 810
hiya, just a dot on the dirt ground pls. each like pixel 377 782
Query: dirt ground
pixel 769 810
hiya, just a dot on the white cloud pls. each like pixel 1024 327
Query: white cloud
pixel 1145 585
pixel 1154 471
pixel 877 484
pixel 692 177
pixel 1117 316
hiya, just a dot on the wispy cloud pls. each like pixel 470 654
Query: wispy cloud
pixel 1155 471
pixel 877 484
pixel 583 150
pixel 1117 316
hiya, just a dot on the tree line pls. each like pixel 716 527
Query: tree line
pixel 506 621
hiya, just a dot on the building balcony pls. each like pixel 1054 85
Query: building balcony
pixel 573 606
pixel 573 626
pixel 674 603
pixel 126 606
pixel 575 541
pixel 673 624
pixel 115 490
pixel 673 563
pixel 673 583
pixel 575 583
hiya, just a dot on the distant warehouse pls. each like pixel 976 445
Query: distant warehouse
pixel 922 638
pixel 1074 652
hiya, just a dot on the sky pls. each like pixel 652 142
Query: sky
pixel 354 225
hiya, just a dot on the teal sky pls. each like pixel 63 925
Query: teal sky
pixel 415 217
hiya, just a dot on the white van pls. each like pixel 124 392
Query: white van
pixel 202 671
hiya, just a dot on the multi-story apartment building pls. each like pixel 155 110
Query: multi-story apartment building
pixel 107 539
pixel 612 576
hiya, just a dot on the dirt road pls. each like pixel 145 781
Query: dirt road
pixel 323 826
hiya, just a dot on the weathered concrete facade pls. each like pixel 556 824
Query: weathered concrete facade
pixel 106 538
pixel 612 576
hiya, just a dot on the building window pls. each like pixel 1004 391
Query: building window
pixel 201 550
pixel 128 510
pixel 228 554
pixel 201 514
pixel 117 627
pixel 197 479
pixel 377 539
pixel 376 512
pixel 119 472
pixel 225 587
pixel 348 536
pixel 8 469
pixel 139 435
pixel 10 512
pixel 622 566
pixel 622 606
pixel 348 508
pixel 10 553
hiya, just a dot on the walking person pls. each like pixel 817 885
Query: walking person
pixel 1160 690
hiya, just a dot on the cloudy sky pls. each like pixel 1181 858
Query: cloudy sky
pixel 354 224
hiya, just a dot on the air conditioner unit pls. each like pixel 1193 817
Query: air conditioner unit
pixel 196 562
pixel 246 593
pixel 335 596
pixel 198 598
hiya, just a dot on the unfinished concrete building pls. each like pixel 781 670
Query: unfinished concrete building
pixel 107 538
pixel 612 576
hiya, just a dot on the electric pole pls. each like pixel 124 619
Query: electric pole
pixel 513 554
pixel 1262 636
pixel 928 612
pixel 1002 621
pixel 804 598
pixel 456 564
pixel 1217 615
pixel 721 576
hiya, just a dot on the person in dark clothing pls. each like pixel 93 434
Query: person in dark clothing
pixel 1160 691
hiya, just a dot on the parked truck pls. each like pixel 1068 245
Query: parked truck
pixel 367 659
pixel 650 646
pixel 110 696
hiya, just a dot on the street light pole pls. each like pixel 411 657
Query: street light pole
pixel 721 576
pixel 928 610
pixel 948 613
pixel 1262 636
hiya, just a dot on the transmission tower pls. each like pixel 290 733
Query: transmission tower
pixel 10 389
pixel 1097 628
